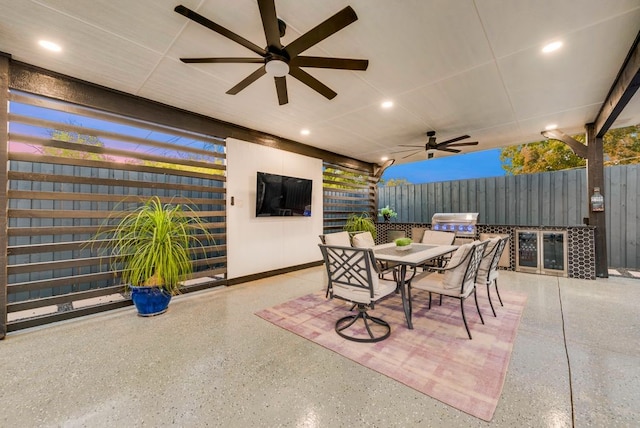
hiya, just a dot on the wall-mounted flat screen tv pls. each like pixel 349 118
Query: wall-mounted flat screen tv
pixel 281 196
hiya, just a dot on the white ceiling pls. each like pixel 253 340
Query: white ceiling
pixel 452 66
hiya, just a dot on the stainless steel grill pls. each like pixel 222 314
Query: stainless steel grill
pixel 463 224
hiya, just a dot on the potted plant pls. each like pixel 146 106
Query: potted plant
pixel 152 245
pixel 360 223
pixel 387 213
pixel 403 244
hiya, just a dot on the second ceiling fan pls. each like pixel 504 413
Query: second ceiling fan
pixel 278 60
pixel 432 146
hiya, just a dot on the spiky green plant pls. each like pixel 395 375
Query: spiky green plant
pixel 360 223
pixel 153 244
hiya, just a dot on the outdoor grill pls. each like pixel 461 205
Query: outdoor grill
pixel 463 224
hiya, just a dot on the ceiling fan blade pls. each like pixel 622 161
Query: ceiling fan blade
pixel 281 88
pixel 444 149
pixel 270 22
pixel 182 10
pixel 453 140
pixel 312 82
pixel 247 81
pixel 409 155
pixel 468 143
pixel 409 145
pixel 321 31
pixel 223 60
pixel 404 151
pixel 335 63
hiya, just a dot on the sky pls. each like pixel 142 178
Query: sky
pixel 485 163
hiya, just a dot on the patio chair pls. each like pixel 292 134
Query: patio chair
pixel 353 277
pixel 437 237
pixel 341 239
pixel 488 269
pixel 458 279
pixel 337 238
pixel 365 240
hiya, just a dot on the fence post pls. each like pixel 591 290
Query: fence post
pixel 4 153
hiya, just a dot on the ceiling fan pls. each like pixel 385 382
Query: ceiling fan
pixel 432 146
pixel 278 60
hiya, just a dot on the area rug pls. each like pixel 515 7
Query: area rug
pixel 436 357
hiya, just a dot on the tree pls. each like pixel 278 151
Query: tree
pixel 393 182
pixel 621 146
pixel 73 137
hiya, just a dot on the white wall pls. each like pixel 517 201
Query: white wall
pixel 260 244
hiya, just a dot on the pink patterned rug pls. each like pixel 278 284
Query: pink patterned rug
pixel 436 357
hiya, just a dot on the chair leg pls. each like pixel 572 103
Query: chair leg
pixel 475 296
pixel 441 300
pixel 490 302
pixel 429 299
pixel 346 322
pixel 495 281
pixel 464 318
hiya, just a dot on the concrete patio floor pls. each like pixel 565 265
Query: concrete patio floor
pixel 209 361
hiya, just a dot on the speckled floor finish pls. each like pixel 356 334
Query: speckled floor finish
pixel 209 361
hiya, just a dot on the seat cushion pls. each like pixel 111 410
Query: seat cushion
pixel 381 288
pixel 363 240
pixel 433 282
pixel 437 237
pixel 338 239
pixel 452 278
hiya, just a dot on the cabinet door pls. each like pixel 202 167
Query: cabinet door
pixel 553 250
pixel 528 249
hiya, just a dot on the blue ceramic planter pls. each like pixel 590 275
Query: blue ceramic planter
pixel 150 301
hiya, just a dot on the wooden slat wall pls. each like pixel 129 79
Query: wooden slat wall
pixel 61 190
pixel 622 207
pixel 346 191
pixel 548 199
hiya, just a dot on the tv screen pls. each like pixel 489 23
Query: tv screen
pixel 279 195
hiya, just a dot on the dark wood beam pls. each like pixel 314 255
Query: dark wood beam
pixel 4 152
pixel 595 178
pixel 578 148
pixel 28 78
pixel 623 89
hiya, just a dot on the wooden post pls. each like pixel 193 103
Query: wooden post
pixel 595 178
pixel 4 153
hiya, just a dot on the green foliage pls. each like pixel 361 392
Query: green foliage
pixel 403 242
pixel 360 223
pixel 153 244
pixel 77 138
pixel 340 179
pixel 621 146
pixel 393 182
pixel 386 211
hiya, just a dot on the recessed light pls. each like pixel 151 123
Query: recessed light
pixel 384 158
pixel 387 104
pixel 305 132
pixel 54 47
pixel 553 46
pixel 551 127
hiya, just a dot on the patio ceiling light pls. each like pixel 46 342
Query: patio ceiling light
pixel 51 46
pixel 553 46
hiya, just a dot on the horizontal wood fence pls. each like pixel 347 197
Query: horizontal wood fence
pixel 73 170
pixel 547 199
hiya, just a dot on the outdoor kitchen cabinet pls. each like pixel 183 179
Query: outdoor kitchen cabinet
pixel 541 251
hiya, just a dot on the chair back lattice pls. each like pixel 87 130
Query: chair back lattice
pixel 350 267
pixel 497 254
pixel 470 275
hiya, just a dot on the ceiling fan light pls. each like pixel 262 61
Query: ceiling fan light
pixel 277 68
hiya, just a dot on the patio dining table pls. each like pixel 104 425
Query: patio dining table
pixel 416 255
